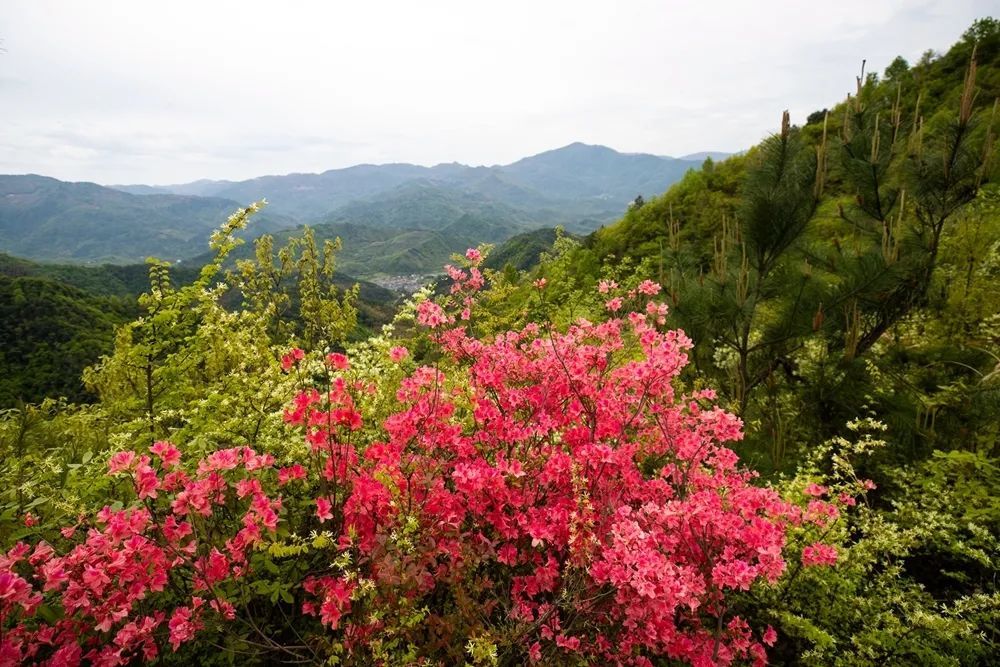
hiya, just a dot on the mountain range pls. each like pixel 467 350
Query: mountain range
pixel 47 219
pixel 604 178
pixel 421 213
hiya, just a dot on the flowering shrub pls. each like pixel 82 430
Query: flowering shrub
pixel 126 558
pixel 544 496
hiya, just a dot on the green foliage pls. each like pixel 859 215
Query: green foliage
pixel 302 276
pixel 377 252
pixel 687 214
pixel 50 464
pixel 50 332
pixel 810 270
pixel 117 280
pixel 190 367
pixel 915 579
pixel 371 252
pixel 60 318
pixel 523 251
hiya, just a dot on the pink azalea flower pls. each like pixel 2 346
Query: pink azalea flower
pixel 323 507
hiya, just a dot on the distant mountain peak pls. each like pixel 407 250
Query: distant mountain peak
pixel 700 156
pixel 583 148
pixel 581 144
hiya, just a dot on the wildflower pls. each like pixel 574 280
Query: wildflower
pixel 323 507
pixel 430 314
pixel 606 286
pixel 169 455
pixel 649 288
pixel 291 358
pixel 819 554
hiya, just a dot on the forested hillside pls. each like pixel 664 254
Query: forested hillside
pixel 820 249
pixel 43 218
pixel 121 280
pixel 59 319
pixel 371 251
pixel 753 421
pixel 839 283
pixel 50 333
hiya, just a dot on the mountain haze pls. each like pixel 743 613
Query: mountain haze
pixel 426 213
pixel 43 218
pixel 715 155
pixel 599 180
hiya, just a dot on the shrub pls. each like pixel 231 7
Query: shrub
pixel 540 495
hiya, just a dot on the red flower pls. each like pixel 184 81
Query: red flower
pixel 338 361
pixel 819 554
pixel 291 358
pixel 169 455
pixel 323 507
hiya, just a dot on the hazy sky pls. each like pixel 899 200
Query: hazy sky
pixel 165 92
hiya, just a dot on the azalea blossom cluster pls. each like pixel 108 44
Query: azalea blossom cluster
pixel 110 583
pixel 550 494
pixel 599 509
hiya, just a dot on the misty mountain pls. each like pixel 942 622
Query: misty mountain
pixel 700 157
pixel 580 181
pixel 44 218
pixel 430 210
pixel 582 171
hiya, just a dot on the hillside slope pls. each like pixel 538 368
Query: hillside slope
pixel 49 332
pixel 57 319
pixel 43 218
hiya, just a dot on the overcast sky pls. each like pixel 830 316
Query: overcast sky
pixel 167 92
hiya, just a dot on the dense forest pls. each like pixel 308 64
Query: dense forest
pixel 58 319
pixel 754 421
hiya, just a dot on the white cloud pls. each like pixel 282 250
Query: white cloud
pixel 137 92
